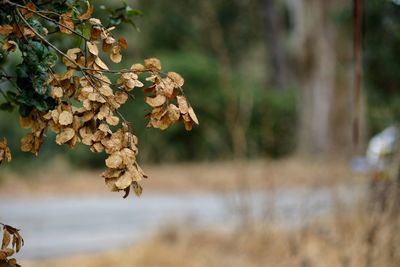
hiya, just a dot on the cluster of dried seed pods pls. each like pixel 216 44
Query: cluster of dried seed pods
pixel 12 242
pixel 86 102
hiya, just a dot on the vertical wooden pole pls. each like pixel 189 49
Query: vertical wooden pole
pixel 358 37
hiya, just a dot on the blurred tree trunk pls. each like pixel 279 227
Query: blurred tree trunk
pixel 323 53
pixel 238 104
pixel 274 40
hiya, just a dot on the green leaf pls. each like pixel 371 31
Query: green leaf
pixel 7 106
pixel 133 12
pixel 11 96
pixel 25 110
pixel 51 59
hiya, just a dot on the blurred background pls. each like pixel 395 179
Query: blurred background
pixel 277 173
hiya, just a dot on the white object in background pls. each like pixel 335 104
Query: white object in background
pixel 382 147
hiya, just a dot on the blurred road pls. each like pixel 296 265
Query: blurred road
pixel 62 226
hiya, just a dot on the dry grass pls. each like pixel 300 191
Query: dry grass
pixel 58 178
pixel 356 238
pixel 343 240
pixel 363 236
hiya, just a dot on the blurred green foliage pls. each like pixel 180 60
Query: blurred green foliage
pixel 382 63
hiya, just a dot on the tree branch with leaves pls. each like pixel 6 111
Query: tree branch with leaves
pixel 81 102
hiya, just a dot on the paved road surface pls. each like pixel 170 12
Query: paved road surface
pixel 57 227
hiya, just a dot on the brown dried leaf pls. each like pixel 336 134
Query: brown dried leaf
pixel 115 54
pixel 168 88
pixel 138 68
pixel 111 173
pixel 156 101
pixel 7 154
pixel 25 122
pixel 73 53
pixel 95 33
pixel 114 161
pixel 3 255
pixel 110 182
pixel 10 46
pixel 3 144
pixel 173 113
pixel 87 104
pixel 96 97
pixel 87 116
pixel 17 241
pixel 128 156
pixel 164 123
pixel 95 22
pixel 6 239
pixel 27 32
pixel 112 144
pixel 136 174
pixel 72 143
pixel 8 251
pixel 26 13
pixel 67 25
pixel 158 113
pixel 188 125
pixel 108 44
pixel 121 97
pixel 152 64
pixel 113 104
pixel 37 143
pixel 27 142
pixel 193 115
pixel 101 64
pixel 97 147
pixel 183 105
pixel 137 189
pixel 6 29
pixel 98 136
pixel 177 78
pixel 122 43
pixel 65 118
pixel 76 123
pixel 124 181
pixel 112 120
pixel 65 135
pixel 55 115
pixel 87 135
pixel 57 92
pixel 92 47
pixel 104 128
pixel 106 90
pixel 65 76
pixel 129 80
pixel 103 112
pixel 87 14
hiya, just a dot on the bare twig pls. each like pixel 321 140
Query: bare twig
pixel 49 19
pixel 82 69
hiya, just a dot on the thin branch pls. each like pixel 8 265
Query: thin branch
pixel 82 69
pixel 100 79
pixel 59 83
pixel 87 76
pixel 44 39
pixel 49 19
pixel 93 84
pixel 19 28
